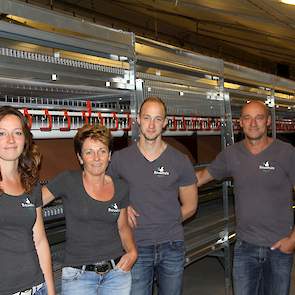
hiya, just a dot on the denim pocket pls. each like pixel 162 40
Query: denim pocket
pixel 41 290
pixel 71 273
pixel 121 270
pixel 177 245
pixel 279 252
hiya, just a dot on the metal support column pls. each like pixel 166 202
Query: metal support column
pixel 134 96
pixel 227 139
pixel 272 106
pixel 135 108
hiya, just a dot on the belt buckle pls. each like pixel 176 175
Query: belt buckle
pixel 102 268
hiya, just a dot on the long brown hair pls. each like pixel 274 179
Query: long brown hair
pixel 30 158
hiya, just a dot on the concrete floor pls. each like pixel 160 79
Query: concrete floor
pixel 206 277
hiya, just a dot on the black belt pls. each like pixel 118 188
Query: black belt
pixel 100 268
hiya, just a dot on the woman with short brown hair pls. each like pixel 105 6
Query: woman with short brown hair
pixel 100 249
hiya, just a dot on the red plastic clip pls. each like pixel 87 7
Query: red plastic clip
pixel 49 118
pixel 183 128
pixel 29 118
pixel 174 124
pixel 89 111
pixel 100 117
pixel 115 118
pixel 193 124
pixel 68 122
pixel 206 124
pixel 128 122
pixel 199 124
pixel 218 124
pixel 85 117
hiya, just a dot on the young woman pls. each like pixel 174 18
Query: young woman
pixel 25 261
pixel 97 229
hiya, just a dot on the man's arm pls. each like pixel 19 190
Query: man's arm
pixel 287 244
pixel 126 234
pixel 203 177
pixel 188 196
pixel 132 216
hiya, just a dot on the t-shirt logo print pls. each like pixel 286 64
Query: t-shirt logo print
pixel 266 166
pixel 161 171
pixel 114 208
pixel 27 203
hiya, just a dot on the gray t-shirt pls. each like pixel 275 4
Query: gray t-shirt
pixel 154 188
pixel 91 226
pixel 263 186
pixel 19 264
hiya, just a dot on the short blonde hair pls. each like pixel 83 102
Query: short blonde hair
pixel 154 99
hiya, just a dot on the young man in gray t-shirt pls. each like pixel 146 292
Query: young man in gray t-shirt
pixel 263 170
pixel 163 193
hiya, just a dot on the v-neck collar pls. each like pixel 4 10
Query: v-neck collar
pixel 244 148
pixel 142 155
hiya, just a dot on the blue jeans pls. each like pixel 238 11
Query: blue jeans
pixel 41 289
pixel 163 262
pixel 80 282
pixel 260 270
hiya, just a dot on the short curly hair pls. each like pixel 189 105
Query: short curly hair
pixel 97 132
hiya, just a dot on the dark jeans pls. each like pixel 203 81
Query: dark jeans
pixel 260 270
pixel 165 262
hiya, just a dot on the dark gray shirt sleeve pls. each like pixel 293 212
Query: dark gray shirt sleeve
pixel 55 186
pixel 188 176
pixel 124 191
pixel 112 169
pixel 37 196
pixel 292 167
pixel 219 167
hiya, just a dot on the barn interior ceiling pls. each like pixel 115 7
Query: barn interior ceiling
pixel 256 33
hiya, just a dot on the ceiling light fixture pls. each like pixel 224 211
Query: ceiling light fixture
pixel 291 2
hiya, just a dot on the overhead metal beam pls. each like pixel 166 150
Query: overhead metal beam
pixel 255 77
pixel 104 39
pixel 52 40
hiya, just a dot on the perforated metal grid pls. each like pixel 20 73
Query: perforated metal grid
pixel 182 100
pixel 33 56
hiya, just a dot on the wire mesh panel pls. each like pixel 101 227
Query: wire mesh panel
pixel 185 100
pixel 62 73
